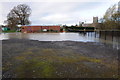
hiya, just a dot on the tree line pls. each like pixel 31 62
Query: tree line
pixel 111 19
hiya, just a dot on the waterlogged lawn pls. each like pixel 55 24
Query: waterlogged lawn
pixel 59 63
pixel 34 68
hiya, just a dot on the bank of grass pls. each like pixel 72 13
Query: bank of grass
pixel 55 62
pixel 34 68
pixel 10 31
pixel 51 64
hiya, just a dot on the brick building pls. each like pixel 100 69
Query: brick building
pixel 32 29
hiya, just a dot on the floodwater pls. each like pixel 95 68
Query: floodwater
pixel 49 36
pixel 80 37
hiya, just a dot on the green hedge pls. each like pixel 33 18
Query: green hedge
pixel 81 28
pixel 9 31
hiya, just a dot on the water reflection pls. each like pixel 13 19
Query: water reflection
pixel 82 37
pixel 49 36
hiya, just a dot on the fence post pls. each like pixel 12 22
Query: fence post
pixel 99 34
pixel 112 34
pixel 105 35
pixel 95 34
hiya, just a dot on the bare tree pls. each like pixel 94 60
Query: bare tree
pixel 109 20
pixel 110 11
pixel 19 15
pixel 116 19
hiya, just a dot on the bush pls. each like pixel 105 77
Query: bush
pixel 8 31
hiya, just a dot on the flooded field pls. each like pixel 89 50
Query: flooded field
pixel 59 55
pixel 48 36
pixel 79 37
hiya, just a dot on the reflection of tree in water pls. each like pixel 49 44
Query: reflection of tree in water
pixel 110 37
pixel 83 33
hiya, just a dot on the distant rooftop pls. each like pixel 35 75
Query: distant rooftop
pixel 41 25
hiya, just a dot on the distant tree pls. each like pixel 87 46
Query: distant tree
pixel 116 19
pixel 110 11
pixel 109 21
pixel 19 15
pixel 76 25
pixel 72 26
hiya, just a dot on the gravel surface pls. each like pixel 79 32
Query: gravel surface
pixel 23 58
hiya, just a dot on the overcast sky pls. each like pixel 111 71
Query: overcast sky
pixel 60 11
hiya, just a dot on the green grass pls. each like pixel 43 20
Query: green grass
pixel 44 63
pixel 34 68
pixel 10 31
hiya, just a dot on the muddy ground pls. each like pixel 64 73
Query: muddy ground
pixel 22 58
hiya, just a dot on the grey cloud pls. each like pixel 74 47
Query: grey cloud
pixel 61 12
